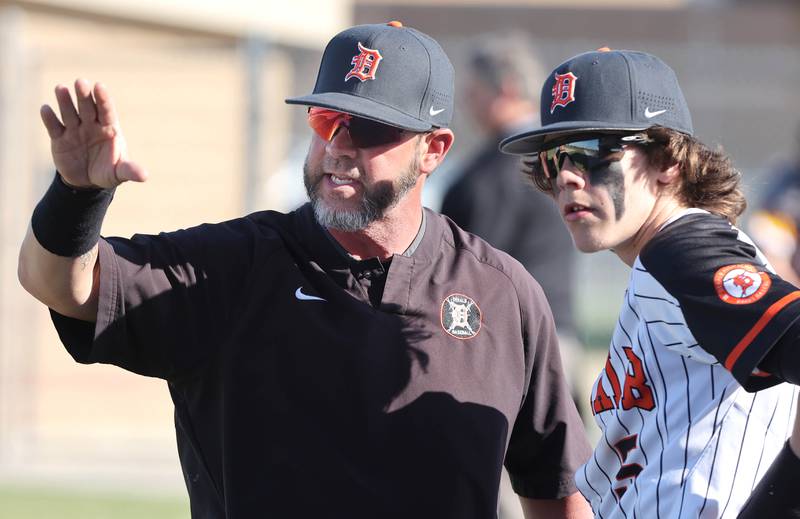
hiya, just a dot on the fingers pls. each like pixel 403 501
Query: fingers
pixel 86 107
pixel 127 170
pixel 69 115
pixel 92 104
pixel 106 114
pixel 54 127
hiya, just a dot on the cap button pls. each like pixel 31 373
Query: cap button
pixel 395 23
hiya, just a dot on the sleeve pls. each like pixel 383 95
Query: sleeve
pixel 734 306
pixel 548 441
pixel 163 300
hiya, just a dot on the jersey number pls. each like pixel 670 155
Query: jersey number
pixel 630 470
pixel 635 392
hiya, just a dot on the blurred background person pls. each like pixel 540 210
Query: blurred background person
pixel 775 223
pixel 489 196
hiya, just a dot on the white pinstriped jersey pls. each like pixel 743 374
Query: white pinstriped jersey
pixel 681 437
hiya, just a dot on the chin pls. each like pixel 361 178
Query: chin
pixel 335 202
pixel 588 246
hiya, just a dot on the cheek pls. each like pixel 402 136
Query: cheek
pixel 611 177
pixel 313 163
pixel 316 151
pixel 317 145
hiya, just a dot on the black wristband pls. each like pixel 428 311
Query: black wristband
pixel 67 220
pixel 776 494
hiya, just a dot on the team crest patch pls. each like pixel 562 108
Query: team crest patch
pixel 365 64
pixel 563 90
pixel 741 284
pixel 461 317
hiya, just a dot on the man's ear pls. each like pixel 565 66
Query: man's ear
pixel 435 146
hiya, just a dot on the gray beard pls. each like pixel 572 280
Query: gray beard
pixel 375 202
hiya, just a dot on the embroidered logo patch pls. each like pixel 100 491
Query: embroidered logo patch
pixel 461 317
pixel 741 284
pixel 365 64
pixel 563 90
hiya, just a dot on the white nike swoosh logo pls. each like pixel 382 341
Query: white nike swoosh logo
pixel 305 297
pixel 436 112
pixel 650 115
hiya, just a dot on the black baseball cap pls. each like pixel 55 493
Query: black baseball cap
pixel 387 73
pixel 605 91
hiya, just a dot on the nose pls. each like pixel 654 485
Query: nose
pixel 570 175
pixel 341 145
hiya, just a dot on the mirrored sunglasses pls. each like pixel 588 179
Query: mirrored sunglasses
pixel 364 133
pixel 587 154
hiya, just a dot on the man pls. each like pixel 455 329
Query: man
pixel 491 198
pixel 703 317
pixel 358 357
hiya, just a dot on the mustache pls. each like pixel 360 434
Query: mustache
pixel 343 166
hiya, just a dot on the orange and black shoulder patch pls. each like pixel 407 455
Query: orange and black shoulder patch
pixel 741 284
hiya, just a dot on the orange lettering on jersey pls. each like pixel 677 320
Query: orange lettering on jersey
pixel 614 379
pixel 637 392
pixel 634 393
pixel 601 401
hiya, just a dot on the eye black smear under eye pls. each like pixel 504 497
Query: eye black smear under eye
pixel 610 175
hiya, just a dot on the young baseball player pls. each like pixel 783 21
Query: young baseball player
pixel 692 413
pixel 360 357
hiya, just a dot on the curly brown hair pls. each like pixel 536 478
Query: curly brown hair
pixel 709 180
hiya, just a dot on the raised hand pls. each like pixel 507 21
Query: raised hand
pixel 87 143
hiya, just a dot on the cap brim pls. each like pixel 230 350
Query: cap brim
pixel 534 141
pixel 362 107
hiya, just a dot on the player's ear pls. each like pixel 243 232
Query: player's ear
pixel 434 147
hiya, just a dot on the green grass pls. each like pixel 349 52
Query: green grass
pixel 35 503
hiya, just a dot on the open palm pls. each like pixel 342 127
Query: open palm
pixel 87 144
